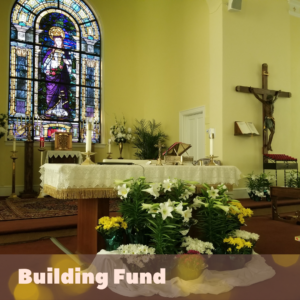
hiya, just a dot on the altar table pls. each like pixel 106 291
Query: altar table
pixel 93 186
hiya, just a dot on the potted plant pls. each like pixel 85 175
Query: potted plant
pixel 112 229
pixel 147 135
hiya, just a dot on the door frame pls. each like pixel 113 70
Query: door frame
pixel 188 112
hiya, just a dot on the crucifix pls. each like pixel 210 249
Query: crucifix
pixel 159 146
pixel 267 98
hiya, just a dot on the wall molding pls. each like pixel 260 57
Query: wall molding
pixel 5 191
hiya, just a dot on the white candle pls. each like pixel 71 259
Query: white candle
pixel 109 146
pixel 14 145
pixel 88 138
pixel 211 148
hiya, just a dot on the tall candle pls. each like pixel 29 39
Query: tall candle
pixel 211 148
pixel 14 145
pixel 88 138
pixel 42 142
pixel 109 146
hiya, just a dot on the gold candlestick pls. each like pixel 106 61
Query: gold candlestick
pixel 88 160
pixel 13 187
pixel 159 146
pixel 42 150
pixel 211 162
pixel 109 155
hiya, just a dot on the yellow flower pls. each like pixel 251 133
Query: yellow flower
pixel 229 250
pixel 124 225
pixel 103 220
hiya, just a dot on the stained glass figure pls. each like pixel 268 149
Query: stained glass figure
pixel 54 67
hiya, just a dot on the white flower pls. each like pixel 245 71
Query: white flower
pixel 179 208
pixel 152 192
pixel 186 194
pixel 245 235
pixel 268 192
pixel 225 208
pixel 146 206
pixel 123 191
pixel 198 203
pixel 213 193
pixel 253 177
pixel 167 185
pixel 192 188
pixel 184 232
pixel 197 245
pixel 119 135
pixel 187 214
pixel 165 210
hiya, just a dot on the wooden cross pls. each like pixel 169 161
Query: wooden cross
pixel 268 97
pixel 159 146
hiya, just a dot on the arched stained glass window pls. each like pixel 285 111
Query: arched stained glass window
pixel 55 63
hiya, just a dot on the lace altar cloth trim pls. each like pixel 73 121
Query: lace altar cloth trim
pixel 73 176
pixel 210 282
pixel 57 153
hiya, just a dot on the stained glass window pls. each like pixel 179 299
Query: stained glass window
pixel 55 63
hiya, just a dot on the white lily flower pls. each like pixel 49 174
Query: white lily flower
pixel 152 192
pixel 186 194
pixel 179 208
pixel 197 203
pixel 146 206
pixel 184 232
pixel 223 207
pixel 187 214
pixel 167 185
pixel 165 210
pixel 123 191
pixel 213 193
pixel 171 203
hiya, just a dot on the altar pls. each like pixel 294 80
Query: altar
pixel 93 186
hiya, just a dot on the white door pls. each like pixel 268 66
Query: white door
pixel 192 131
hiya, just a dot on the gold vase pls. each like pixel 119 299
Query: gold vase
pixel 120 149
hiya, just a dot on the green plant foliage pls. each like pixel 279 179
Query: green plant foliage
pixel 147 135
pixel 131 206
pixel 3 118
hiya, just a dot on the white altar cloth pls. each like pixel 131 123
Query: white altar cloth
pixel 73 176
pixel 58 153
pixel 210 282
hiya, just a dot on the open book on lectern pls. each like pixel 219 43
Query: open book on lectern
pixel 247 128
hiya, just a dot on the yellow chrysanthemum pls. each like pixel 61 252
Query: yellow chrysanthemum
pixel 229 250
pixel 124 225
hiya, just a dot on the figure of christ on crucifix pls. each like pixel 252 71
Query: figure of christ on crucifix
pixel 268 110
pixel 267 98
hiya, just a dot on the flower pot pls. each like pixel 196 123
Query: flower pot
pixel 114 241
pixel 251 195
pixel 188 273
pixel 257 198
pixel 268 196
pixel 228 262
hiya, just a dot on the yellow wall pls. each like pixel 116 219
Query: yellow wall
pixel 155 64
pixel 259 34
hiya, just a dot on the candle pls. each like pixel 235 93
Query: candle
pixel 88 138
pixel 42 142
pixel 14 145
pixel 211 148
pixel 109 146
pixel 211 134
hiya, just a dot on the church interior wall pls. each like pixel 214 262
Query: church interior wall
pixel 260 33
pixel 155 63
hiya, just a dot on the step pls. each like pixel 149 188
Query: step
pixel 261 208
